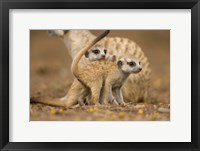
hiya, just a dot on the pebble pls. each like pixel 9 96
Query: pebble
pixel 53 111
pixel 91 110
pixel 121 114
pixel 140 111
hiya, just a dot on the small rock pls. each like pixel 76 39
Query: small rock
pixel 53 111
pixel 121 114
pixel 140 111
pixel 60 110
pixel 155 114
pixel 91 110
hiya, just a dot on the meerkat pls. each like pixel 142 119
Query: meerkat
pixel 111 76
pixel 136 86
pixel 98 52
pixel 77 92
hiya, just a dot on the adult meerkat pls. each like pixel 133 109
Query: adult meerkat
pixel 136 86
pixel 77 91
pixel 111 76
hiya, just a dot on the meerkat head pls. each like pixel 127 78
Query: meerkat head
pixel 56 33
pixel 96 53
pixel 129 65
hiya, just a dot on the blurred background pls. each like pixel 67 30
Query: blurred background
pixel 50 73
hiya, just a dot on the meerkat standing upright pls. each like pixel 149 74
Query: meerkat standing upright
pixel 136 86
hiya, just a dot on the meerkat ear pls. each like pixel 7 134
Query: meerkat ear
pixel 119 63
pixel 87 54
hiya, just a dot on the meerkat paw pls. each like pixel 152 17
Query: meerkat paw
pixel 113 102
pixel 75 106
pixel 81 102
pixel 97 104
pixel 122 104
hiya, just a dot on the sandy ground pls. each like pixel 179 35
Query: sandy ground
pixel 50 76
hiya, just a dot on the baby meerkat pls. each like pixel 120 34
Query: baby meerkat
pixel 103 76
pixel 77 91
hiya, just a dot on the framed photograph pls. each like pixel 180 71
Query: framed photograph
pixel 99 75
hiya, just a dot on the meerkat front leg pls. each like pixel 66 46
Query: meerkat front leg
pixel 107 94
pixel 119 97
pixel 95 89
pixel 107 97
pixel 95 96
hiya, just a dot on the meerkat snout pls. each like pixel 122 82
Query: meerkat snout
pixel 56 33
pixel 103 56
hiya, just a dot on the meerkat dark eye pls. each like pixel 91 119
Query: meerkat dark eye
pixel 139 63
pixel 96 51
pixel 132 64
pixel 105 51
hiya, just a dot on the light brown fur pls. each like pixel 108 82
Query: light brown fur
pixel 100 75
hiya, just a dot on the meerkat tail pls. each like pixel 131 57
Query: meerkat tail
pixel 74 66
pixel 48 101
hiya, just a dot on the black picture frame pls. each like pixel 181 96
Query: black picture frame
pixel 5 5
